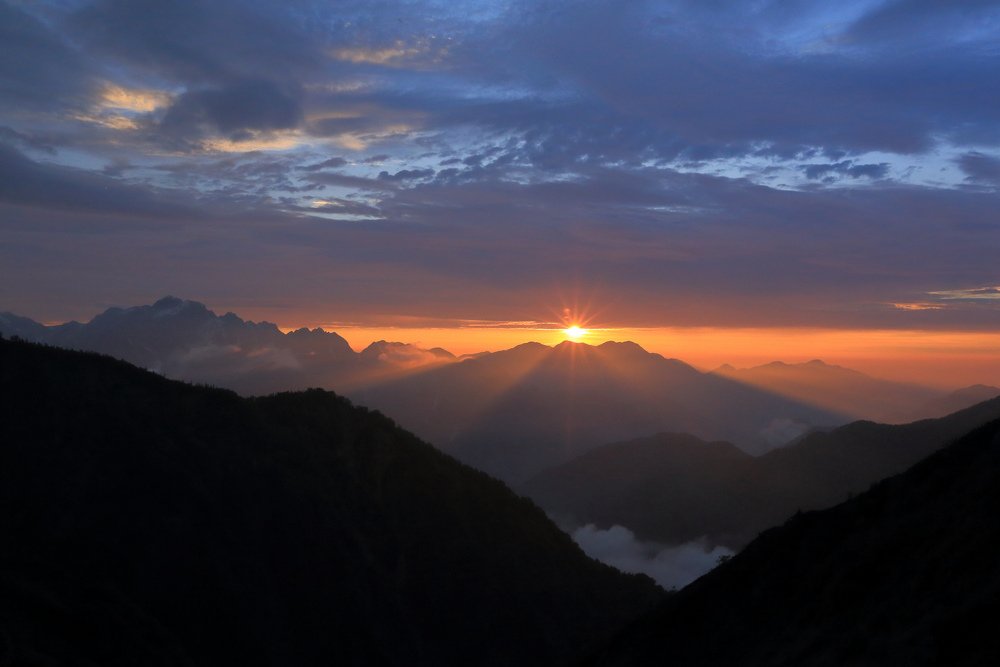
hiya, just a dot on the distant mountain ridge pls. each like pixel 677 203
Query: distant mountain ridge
pixel 150 522
pixel 957 400
pixel 183 339
pixel 842 390
pixel 674 488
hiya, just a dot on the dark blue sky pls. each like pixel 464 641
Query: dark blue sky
pixel 700 163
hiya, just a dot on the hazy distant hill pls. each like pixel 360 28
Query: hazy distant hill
pixel 904 574
pixel 675 488
pixel 516 412
pixel 841 390
pixel 185 340
pixel 149 522
pixel 957 400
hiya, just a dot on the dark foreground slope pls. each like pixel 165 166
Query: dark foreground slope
pixel 904 574
pixel 149 522
pixel 672 488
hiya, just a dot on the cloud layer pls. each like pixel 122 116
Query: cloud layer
pixel 746 163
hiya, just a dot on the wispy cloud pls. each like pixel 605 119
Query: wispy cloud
pixel 971 294
pixel 399 54
pixel 918 306
pixel 136 100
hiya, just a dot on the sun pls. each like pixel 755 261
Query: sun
pixel 575 332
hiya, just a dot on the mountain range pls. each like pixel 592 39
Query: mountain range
pixel 511 413
pixel 903 574
pixel 185 340
pixel 675 488
pixel 516 412
pixel 150 522
pixel 842 390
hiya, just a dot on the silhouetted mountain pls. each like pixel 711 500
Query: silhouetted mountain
pixel 185 340
pixel 28 329
pixel 904 574
pixel 675 488
pixel 957 400
pixel 150 522
pixel 516 412
pixel 842 390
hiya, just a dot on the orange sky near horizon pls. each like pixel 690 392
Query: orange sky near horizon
pixel 946 359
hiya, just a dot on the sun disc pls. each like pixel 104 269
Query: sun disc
pixel 574 332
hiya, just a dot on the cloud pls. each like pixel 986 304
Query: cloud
pixel 903 21
pixel 406 175
pixel 404 355
pixel 972 294
pixel 234 110
pixel 850 150
pixel 219 361
pixel 670 567
pixel 25 182
pixel 917 306
pixel 674 72
pixel 332 163
pixel 39 70
pixel 980 168
pixel 422 52
pixel 202 44
pixel 353 182
pixel 845 168
pixel 133 99
pixel 12 137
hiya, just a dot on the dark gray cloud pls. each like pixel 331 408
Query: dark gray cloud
pixel 234 110
pixel 325 178
pixel 48 186
pixel 845 168
pixel 980 168
pixel 331 163
pixel 406 175
pixel 921 22
pixel 12 137
pixel 203 43
pixel 39 70
pixel 730 92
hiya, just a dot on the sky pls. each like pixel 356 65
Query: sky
pixel 493 168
